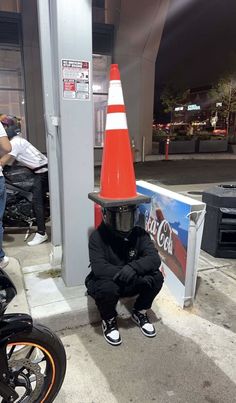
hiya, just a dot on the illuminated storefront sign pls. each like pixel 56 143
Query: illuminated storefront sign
pixel 193 107
pixel 179 108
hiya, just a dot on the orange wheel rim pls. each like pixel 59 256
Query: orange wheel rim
pixel 50 358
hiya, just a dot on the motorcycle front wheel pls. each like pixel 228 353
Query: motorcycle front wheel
pixel 37 365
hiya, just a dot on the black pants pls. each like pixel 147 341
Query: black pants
pixel 107 293
pixel 40 189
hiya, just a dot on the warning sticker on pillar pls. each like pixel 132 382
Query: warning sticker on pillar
pixel 76 79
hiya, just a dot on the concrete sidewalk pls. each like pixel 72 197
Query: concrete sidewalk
pixel 193 357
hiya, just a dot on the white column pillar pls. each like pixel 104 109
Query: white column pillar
pixel 51 115
pixel 66 37
pixel 139 26
pixel 74 43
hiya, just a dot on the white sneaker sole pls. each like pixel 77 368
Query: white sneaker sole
pixel 145 334
pixel 31 243
pixel 113 343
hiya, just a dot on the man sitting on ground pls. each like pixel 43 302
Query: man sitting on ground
pixel 124 262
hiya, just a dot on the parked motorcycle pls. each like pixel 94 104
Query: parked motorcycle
pixel 19 210
pixel 33 360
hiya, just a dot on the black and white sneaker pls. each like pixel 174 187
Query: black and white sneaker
pixel 141 319
pixel 111 332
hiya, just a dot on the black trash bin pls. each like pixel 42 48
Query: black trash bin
pixel 219 234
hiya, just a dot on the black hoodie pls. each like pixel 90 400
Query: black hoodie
pixel 109 252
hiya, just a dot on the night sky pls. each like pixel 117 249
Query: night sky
pixel 198 44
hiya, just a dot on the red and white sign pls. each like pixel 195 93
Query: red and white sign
pixel 69 85
pixel 76 79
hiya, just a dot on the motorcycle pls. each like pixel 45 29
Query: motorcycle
pixel 19 210
pixel 33 359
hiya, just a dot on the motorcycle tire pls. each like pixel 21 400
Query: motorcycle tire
pixel 28 355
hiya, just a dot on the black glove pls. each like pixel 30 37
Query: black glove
pixel 149 281
pixel 125 275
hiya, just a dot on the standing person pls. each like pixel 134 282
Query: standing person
pixel 25 153
pixel 124 262
pixel 5 147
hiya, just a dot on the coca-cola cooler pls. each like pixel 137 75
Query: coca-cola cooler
pixel 219 235
pixel 175 224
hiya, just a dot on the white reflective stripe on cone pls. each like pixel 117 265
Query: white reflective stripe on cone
pixel 115 94
pixel 116 121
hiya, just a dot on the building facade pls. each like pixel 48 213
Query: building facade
pixel 36 38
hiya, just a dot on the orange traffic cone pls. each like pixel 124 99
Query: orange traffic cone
pixel 118 186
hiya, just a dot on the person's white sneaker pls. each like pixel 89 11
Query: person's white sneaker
pixel 141 319
pixel 4 262
pixel 38 239
pixel 111 332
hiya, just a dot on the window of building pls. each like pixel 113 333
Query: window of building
pixel 11 83
pixel 101 65
pixel 12 101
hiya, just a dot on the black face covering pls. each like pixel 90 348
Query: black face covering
pixel 120 219
pixel 12 131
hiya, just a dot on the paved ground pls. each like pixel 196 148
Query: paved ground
pixel 193 357
pixel 169 368
pixel 184 171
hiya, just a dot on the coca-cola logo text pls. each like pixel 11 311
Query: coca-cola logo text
pixel 161 232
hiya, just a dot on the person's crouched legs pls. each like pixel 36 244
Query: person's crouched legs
pixel 148 288
pixel 106 295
